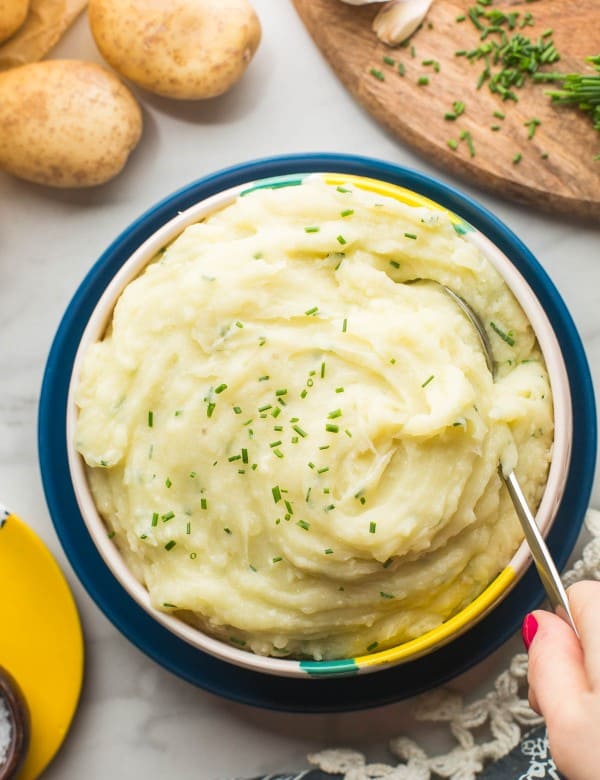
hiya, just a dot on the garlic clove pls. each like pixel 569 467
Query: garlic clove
pixel 398 20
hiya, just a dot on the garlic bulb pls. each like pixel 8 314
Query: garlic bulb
pixel 398 19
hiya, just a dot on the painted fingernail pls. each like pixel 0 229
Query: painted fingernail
pixel 528 630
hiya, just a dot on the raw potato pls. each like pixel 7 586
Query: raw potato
pixel 12 15
pixel 184 49
pixel 66 123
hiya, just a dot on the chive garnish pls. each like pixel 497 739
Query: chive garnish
pixel 410 235
pixel 347 432
pixel 203 503
pixel 220 388
pixel 328 551
pixel 234 457
pixel 387 563
pixel 154 519
pixel 110 534
pixel 346 213
pixel 227 531
pixel 466 136
pixel 304 393
pixel 244 455
pixel 239 324
pixel 276 412
pixel 261 341
pixel 329 508
pixel 300 431
pixel 372 527
pixel 323 370
pixel 188 528
pixel 324 447
pixel 168 516
pixel 373 645
pixel 339 389
pixel 276 493
pixel 341 240
pixel 277 559
pixel 281 391
pixel 334 414
pixel 345 325
pixel 170 545
pixel 263 378
pixel 339 188
pixel 150 419
pixel 385 595
pixel 423 81
pixel 311 465
pixel 263 409
pixel 332 428
pixel 288 506
pixel 428 380
pixel 210 409
pixel 275 443
pixel 303 524
pixel 193 556
pixel 168 482
pixel 252 568
pixel 144 536
pixel 237 641
pixel 452 144
pixel 323 470
pixel 169 606
pixel 394 263
pixel 277 452
pixel 308 492
pixel 278 428
pixel 507 337
pixel 389 60
pixel 237 410
pixel 311 229
pixel 377 74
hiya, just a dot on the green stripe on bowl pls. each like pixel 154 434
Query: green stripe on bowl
pixel 317 668
pixel 274 183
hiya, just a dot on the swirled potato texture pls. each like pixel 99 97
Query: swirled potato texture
pixel 295 445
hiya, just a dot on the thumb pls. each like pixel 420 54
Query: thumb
pixel 556 672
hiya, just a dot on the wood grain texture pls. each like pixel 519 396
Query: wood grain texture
pixel 567 182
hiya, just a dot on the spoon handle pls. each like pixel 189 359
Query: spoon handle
pixel 546 567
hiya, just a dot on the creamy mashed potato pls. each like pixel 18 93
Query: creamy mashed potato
pixel 297 450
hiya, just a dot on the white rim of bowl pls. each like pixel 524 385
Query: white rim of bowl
pixel 96 326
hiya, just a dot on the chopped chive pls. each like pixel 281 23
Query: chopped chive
pixel 110 534
pixel 188 528
pixel 373 645
pixel 263 378
pixel 275 443
pixel 144 536
pixel 254 466
pixel 241 471
pixel 389 60
pixel 347 432
pixel 517 158
pixel 239 324
pixel 234 457
pixel 170 545
pixel 262 341
pixel 288 506
pixel 281 391
pixel 237 409
pixel 178 412
pixel 323 370
pixel 203 503
pixel 330 507
pixel 339 389
pixel 311 465
pixel 385 595
pixel 227 531
pixel 303 524
pixel 276 412
pixel 168 516
pixel 277 559
pixel 347 213
pixel 314 310
pixel 394 263
pixel 339 188
pixel 150 419
pixel 311 229
pixel 300 431
pixel 423 81
pixel 278 428
pixel 324 446
pixel 507 337
pixel 220 388
pixel 263 409
pixel 428 380
pixel 277 452
pixel 466 136
pixel 323 470
pixel 495 128
pixel 303 393
pixel 332 428
pixel 308 492
pixel 452 144
pixel 532 124
pixel 334 414
pixel 294 439
pixel 401 68
pixel 387 563
pixel 499 115
pixel 377 74
pixel 252 568
pixel 328 551
pixel 345 325
pixel 372 527
pixel 234 640
pixel 169 606
pixel 210 409
pixel 410 235
pixel 244 455
pixel 168 482
pixel 276 491
pixel 341 240
pixel 362 500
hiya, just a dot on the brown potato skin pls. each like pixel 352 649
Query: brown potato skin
pixel 12 15
pixel 66 123
pixel 183 49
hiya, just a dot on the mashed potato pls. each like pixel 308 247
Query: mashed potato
pixel 295 449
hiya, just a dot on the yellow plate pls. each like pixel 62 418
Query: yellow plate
pixel 41 643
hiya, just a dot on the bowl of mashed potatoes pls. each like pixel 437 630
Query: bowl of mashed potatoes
pixel 286 450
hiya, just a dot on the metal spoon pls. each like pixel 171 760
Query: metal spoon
pixel 541 555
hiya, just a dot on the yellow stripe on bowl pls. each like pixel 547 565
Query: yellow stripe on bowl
pixel 449 630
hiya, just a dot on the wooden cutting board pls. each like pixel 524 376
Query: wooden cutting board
pixel 565 182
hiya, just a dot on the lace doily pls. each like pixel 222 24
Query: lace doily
pixel 503 711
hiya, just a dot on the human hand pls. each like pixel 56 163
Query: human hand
pixel 564 680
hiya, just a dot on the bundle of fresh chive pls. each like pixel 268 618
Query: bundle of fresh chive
pixel 579 89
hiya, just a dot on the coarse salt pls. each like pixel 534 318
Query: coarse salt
pixel 5 731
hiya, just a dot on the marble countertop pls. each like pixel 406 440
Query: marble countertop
pixel 136 719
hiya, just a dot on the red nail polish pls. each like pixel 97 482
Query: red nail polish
pixel 528 630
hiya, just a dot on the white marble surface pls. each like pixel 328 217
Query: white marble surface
pixel 136 720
